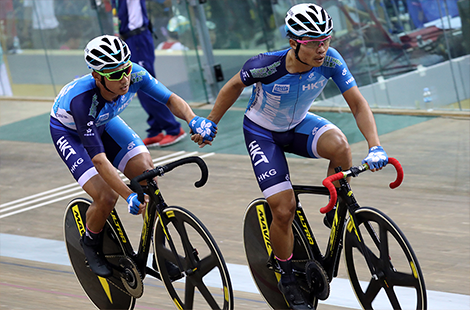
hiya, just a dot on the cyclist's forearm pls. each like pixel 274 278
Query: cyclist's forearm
pixel 366 124
pixel 180 108
pixel 226 98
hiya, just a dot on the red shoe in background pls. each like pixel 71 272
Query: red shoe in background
pixel 169 139
pixel 154 141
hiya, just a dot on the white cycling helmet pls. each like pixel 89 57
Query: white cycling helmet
pixel 308 20
pixel 106 52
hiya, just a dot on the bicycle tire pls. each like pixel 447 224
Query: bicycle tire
pixel 199 254
pixel 400 281
pixel 104 293
pixel 256 222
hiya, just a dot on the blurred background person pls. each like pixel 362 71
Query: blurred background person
pixel 41 24
pixel 135 29
pixel 176 25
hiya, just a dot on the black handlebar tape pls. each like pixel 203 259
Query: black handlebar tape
pixel 161 170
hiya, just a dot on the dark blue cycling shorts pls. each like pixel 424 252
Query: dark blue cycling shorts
pixel 120 142
pixel 267 148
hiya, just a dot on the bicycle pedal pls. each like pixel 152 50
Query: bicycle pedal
pixel 317 280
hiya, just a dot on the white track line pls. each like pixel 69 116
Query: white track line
pixel 78 191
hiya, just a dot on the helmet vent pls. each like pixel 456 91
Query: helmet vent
pixel 303 19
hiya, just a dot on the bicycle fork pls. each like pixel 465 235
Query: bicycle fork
pixel 351 205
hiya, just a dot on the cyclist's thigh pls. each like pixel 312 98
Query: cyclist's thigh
pixel 307 134
pixel 121 143
pixel 267 158
pixel 72 152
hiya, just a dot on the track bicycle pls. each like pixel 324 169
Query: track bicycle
pixel 186 257
pixel 382 267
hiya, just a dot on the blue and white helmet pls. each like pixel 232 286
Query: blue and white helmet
pixel 106 52
pixel 308 20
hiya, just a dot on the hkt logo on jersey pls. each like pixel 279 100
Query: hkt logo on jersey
pixel 256 152
pixel 281 88
pixel 65 148
pixel 316 85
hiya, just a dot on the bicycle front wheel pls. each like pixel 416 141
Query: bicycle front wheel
pixel 397 281
pixel 206 281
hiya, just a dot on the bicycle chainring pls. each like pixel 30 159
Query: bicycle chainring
pixel 317 280
pixel 131 278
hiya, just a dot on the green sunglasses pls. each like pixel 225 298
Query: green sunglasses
pixel 119 74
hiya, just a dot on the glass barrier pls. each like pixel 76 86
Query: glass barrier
pixel 404 54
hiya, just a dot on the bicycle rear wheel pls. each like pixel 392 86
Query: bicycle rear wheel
pixel 259 256
pixel 104 293
pixel 399 282
pixel 206 281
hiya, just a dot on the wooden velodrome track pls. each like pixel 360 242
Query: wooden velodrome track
pixel 431 207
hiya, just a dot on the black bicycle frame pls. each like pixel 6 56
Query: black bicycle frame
pixel 140 258
pixel 330 260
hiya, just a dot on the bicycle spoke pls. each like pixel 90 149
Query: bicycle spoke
pixel 168 255
pixel 384 248
pixel 402 279
pixel 371 292
pixel 189 294
pixel 392 296
pixel 207 264
pixel 207 295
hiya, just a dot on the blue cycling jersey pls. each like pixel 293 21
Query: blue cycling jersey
pixel 80 107
pixel 281 100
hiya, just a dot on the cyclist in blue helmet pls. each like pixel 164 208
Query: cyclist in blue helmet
pixel 277 120
pixel 93 140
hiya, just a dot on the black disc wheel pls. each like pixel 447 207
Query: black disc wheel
pixel 259 255
pixel 104 293
pixel 206 282
pixel 396 280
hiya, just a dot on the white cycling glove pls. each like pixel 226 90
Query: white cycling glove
pixel 206 128
pixel 377 158
pixel 133 204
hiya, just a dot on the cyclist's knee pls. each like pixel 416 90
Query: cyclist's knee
pixel 282 207
pixel 333 144
pixel 138 164
pixel 106 200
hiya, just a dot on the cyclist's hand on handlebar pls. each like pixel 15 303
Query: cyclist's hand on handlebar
pixel 377 158
pixel 199 140
pixel 134 206
pixel 203 127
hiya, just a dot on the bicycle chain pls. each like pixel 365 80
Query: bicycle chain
pixel 120 279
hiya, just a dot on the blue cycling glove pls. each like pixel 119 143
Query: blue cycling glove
pixel 133 204
pixel 377 158
pixel 206 128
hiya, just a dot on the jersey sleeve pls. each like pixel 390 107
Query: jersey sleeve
pixel 142 80
pixel 341 74
pixel 264 68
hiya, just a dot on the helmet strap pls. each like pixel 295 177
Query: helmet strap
pixel 103 82
pixel 297 54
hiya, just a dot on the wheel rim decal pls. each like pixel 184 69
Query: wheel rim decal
pixel 78 220
pixel 105 285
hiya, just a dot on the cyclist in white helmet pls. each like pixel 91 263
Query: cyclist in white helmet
pixel 285 84
pixel 93 140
